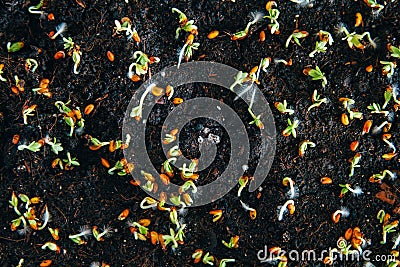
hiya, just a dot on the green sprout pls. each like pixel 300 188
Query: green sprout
pixel 208 259
pixel 395 51
pixel 14 47
pixel 273 15
pixel 240 78
pixel 170 238
pixel 187 51
pixel 388 68
pixel 243 180
pixel 256 120
pixel 388 96
pixel 354 40
pixel 126 27
pixel 176 200
pixel 380 176
pixel 317 100
pixel 31 64
pixel 137 111
pixel 76 58
pixel 187 172
pixel 354 163
pixel 55 147
pixel 35 9
pixel 381 216
pixel 68 43
pixel 141 64
pixel 233 242
pixel 256 17
pixel 185 24
pixel 321 45
pixel 376 109
pixel 282 107
pixel 304 145
pixel 28 111
pixel 347 188
pixel 316 74
pixel 389 228
pixel 296 35
pixel 167 166
pixel 291 129
pixel 83 232
pixel 99 236
pixel 70 162
pixel 34 146
pixel 374 5
pixel 187 185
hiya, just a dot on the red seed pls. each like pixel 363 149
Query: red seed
pixel 110 56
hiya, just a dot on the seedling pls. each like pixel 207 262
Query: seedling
pixel 240 35
pixel 84 231
pixel 377 178
pixel 55 147
pixel 170 238
pixel 54 233
pixel 293 191
pixel 252 211
pixel 34 146
pixel 126 27
pixel 217 215
pixel 52 246
pixel 291 129
pixel 373 4
pixel 395 51
pixel 14 47
pixel 243 180
pixel 137 111
pixel 43 88
pixel 385 138
pixel 343 212
pixel 388 96
pixel 197 255
pixel 304 145
pixel 31 64
pixel 184 24
pixel 188 172
pixel 174 152
pixel 60 29
pixel 325 38
pixel 296 35
pixel 208 259
pixel 28 111
pixel 273 15
pixel 76 58
pixel 354 40
pixel 354 163
pixel 100 235
pixel 347 187
pixel 71 117
pixel 317 101
pixel 36 9
pixel 223 262
pixel 167 168
pixel 148 203
pixel 388 228
pixel 141 63
pixel 376 109
pixel 388 68
pixel 187 49
pixel 316 74
pixel 70 162
pixel 288 206
pixel 233 242
pixel 256 120
pixel 1 73
pixel 141 226
pixel 187 185
pixel 282 107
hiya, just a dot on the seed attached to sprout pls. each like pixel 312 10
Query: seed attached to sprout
pixel 123 215
pixel 359 20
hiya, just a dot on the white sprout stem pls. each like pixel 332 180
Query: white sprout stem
pixel 181 54
pixel 244 205
pixel 351 189
pixel 390 145
pixel 291 185
pixel 284 208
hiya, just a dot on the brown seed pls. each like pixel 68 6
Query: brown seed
pixel 369 68
pixel 213 34
pixel 123 215
pixel 112 146
pixel 136 37
pixel 154 237
pixel 110 56
pixel 46 263
pixel 55 162
pixel 144 222
pixel 15 139
pixel 59 55
pixel 358 20
pixel 135 78
pixel 88 109
pixel 354 145
pixel 157 91
pixel 262 36
pixel 177 101
pixel 105 163
pixel 348 234
pixel 326 180
pixel 367 127
pixel 174 132
pixel 345 119
pixel 50 16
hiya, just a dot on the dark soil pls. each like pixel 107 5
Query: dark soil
pixel 88 195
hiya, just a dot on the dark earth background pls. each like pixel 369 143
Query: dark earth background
pixel 88 195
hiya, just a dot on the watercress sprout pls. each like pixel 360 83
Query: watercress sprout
pixel 233 242
pixel 316 74
pixel 293 190
pixel 273 15
pixel 388 68
pixel 325 38
pixel 185 24
pixel 34 146
pixel 240 35
pixel 354 163
pixel 252 211
pixel 288 206
pixel 354 40
pixel 376 109
pixel 84 231
pixel 291 129
pixel 1 73
pixel 243 180
pixel 282 107
pixel 347 188
pixel 223 262
pixel 35 9
pixel 28 111
pixel 296 35
pixel 342 212
pixel 70 162
pixel 55 147
pixel 317 100
pixel 60 29
pixel 304 145
pixel 395 51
